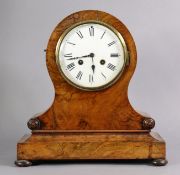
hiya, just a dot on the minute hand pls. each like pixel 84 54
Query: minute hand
pixel 75 58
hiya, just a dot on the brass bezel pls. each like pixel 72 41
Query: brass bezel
pixel 126 55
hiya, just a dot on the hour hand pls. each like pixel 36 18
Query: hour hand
pixel 93 68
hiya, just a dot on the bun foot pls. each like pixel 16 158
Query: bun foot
pixel 159 162
pixel 23 163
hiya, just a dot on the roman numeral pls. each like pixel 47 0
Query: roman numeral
pixel 103 75
pixel 80 34
pixel 71 43
pixel 103 34
pixel 111 43
pixel 79 75
pixel 111 66
pixel 91 79
pixel 70 66
pixel 91 31
pixel 114 55
pixel 68 55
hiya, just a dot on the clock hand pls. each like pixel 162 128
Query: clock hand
pixel 93 66
pixel 75 58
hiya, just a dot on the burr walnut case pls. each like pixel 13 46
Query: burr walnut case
pixel 91 57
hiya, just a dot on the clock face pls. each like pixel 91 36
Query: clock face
pixel 91 55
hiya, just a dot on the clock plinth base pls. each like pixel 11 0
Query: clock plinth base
pixel 92 146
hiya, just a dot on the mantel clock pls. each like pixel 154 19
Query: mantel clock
pixel 91 57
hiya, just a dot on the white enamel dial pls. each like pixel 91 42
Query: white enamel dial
pixel 91 56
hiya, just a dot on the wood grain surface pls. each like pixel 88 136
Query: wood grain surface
pixel 90 125
pixel 75 109
pixel 59 146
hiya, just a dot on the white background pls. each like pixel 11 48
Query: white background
pixel 26 89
